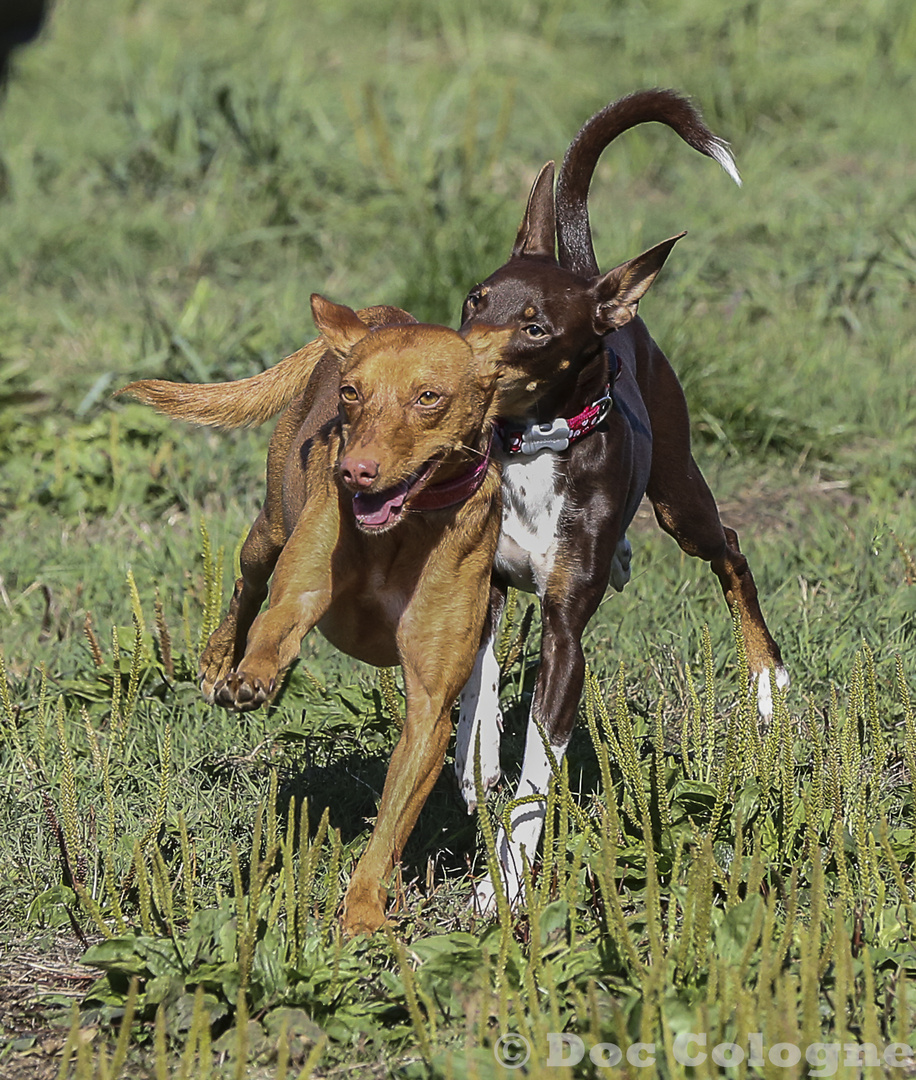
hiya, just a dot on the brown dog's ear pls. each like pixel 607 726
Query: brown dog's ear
pixel 487 344
pixel 339 325
pixel 537 233
pixel 618 292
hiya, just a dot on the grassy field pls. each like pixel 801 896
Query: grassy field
pixel 175 180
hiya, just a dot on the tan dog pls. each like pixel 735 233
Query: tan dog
pixel 380 526
pixel 391 517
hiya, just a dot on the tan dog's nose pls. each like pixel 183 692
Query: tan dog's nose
pixel 358 472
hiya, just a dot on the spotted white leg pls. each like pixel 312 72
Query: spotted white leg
pixel 765 690
pixel 526 822
pixel 479 710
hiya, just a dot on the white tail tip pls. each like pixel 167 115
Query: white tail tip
pixel 719 151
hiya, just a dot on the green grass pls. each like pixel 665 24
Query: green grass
pixel 174 182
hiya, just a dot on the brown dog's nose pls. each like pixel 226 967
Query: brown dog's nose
pixel 358 472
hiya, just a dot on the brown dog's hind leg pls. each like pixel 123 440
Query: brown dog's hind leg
pixel 686 510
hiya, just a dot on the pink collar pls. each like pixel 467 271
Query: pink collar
pixel 556 434
pixel 451 492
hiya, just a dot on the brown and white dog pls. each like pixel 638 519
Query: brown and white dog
pixel 607 424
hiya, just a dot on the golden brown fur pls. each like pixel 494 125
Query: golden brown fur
pixel 409 595
pixel 251 401
pixel 410 588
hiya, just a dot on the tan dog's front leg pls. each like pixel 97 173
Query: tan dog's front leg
pixel 415 766
pixel 300 595
pixel 273 644
pixel 434 673
pixel 219 655
pixel 227 643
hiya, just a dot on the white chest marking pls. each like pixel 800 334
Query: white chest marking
pixel 529 538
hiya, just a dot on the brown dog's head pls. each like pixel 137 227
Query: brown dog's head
pixel 558 317
pixel 416 401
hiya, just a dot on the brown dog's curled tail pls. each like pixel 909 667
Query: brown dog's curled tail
pixel 574 234
pixel 251 401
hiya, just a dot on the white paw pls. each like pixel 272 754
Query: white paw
pixel 490 771
pixel 483 897
pixel 483 894
pixel 765 690
pixel 489 780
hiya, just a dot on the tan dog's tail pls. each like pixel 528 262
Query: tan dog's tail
pixel 251 401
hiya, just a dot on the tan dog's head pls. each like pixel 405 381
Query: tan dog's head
pixel 416 401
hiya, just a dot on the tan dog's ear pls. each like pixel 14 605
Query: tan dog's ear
pixel 618 292
pixel 538 230
pixel 507 383
pixel 339 325
pixel 487 344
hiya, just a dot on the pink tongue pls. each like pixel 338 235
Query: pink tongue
pixel 377 508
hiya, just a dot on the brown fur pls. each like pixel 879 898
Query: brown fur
pixel 564 292
pixel 642 446
pixel 414 593
pixel 251 401
pixel 409 595
pixel 564 329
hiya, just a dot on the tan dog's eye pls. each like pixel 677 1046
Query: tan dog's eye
pixel 532 330
pixel 349 395
pixel 428 397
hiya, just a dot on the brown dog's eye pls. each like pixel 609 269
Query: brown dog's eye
pixel 349 395
pixel 534 331
pixel 428 397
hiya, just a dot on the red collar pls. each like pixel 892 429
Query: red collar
pixel 451 492
pixel 558 434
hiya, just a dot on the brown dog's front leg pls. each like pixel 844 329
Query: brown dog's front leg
pixel 273 644
pixel 435 669
pixel 556 701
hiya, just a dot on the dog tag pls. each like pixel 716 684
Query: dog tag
pixel 552 436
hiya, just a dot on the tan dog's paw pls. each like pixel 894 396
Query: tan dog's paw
pixel 364 910
pixel 242 692
pixel 215 665
pixel 216 659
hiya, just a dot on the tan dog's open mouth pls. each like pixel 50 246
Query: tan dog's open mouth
pixel 377 511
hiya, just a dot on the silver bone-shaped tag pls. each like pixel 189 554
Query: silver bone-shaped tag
pixel 552 436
